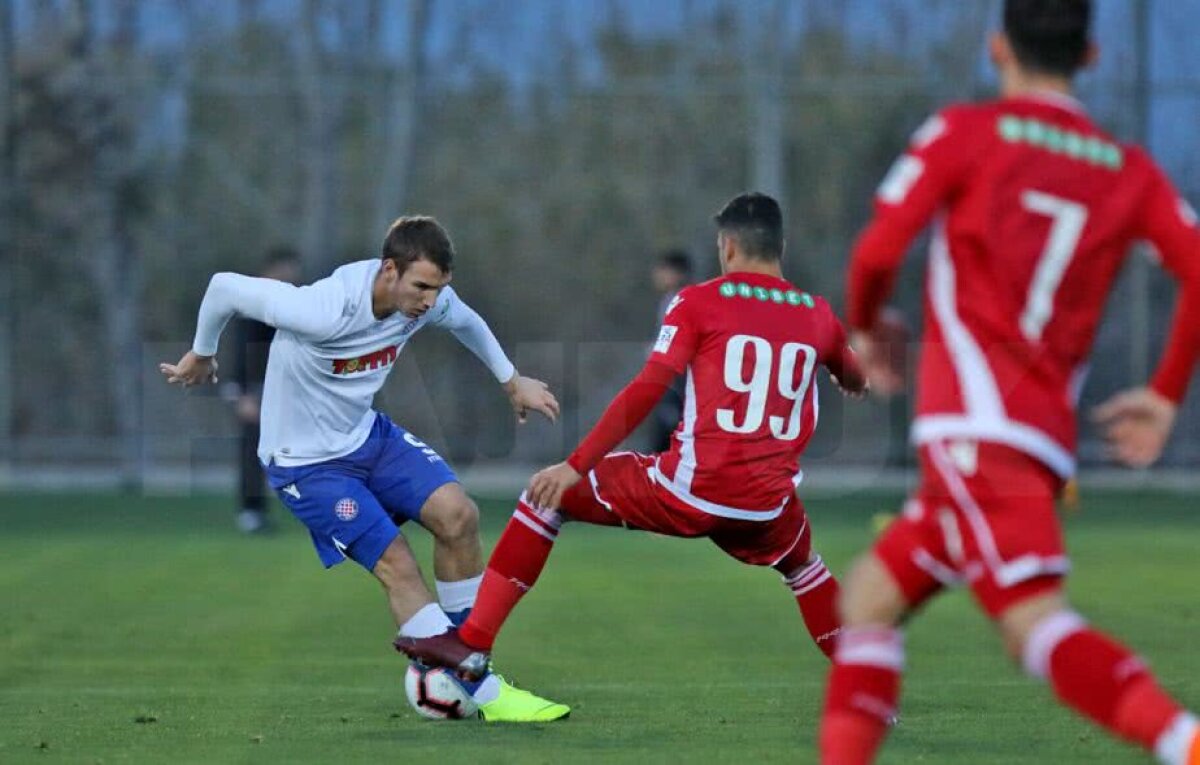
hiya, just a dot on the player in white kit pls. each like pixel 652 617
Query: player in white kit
pixel 347 472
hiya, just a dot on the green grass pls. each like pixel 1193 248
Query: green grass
pixel 244 650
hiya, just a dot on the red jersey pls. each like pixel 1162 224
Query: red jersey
pixel 1036 209
pixel 750 346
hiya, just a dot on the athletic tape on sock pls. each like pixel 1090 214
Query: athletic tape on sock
pixel 1174 744
pixel 871 647
pixel 1045 637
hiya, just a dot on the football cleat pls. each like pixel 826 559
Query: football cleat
pixel 445 650
pixel 515 705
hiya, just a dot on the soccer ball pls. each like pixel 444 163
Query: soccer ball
pixel 436 693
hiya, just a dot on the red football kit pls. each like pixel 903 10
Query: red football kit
pixel 750 346
pixel 1034 211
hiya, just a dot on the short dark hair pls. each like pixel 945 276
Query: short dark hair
pixel 1049 36
pixel 757 222
pixel 418 237
pixel 678 261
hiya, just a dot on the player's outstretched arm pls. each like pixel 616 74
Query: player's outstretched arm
pixel 939 156
pixel 915 187
pixel 1137 423
pixel 876 329
pixel 622 416
pixel 620 419
pixel 311 311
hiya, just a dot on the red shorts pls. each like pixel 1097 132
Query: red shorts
pixel 621 492
pixel 984 516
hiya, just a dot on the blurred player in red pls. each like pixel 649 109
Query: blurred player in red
pixel 749 344
pixel 1034 211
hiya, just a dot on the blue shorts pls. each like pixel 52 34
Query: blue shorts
pixel 353 505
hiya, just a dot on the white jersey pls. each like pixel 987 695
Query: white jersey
pixel 330 355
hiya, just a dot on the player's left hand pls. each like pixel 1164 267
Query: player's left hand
pixel 526 393
pixel 1136 424
pixel 547 486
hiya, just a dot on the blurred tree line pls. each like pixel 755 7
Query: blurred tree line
pixel 138 170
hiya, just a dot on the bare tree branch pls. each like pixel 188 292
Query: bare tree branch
pixel 322 107
pixel 402 129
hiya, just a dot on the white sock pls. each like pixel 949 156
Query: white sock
pixel 458 596
pixel 1173 744
pixel 429 621
pixel 488 690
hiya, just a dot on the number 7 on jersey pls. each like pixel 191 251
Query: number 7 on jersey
pixel 1068 219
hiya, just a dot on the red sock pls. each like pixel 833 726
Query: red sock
pixel 513 569
pixel 816 592
pixel 1101 679
pixel 864 688
pixel 1144 711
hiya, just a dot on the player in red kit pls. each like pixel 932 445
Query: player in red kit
pixel 749 345
pixel 1034 210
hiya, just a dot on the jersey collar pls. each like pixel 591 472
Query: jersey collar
pixel 749 276
pixel 1054 98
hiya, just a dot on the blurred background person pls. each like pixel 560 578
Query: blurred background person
pixel 673 270
pixel 252 344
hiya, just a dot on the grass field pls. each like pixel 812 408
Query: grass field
pixel 146 630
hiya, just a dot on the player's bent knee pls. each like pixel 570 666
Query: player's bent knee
pixel 1045 637
pixel 461 521
pixel 870 595
pixel 451 517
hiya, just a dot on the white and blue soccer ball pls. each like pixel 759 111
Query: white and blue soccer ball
pixel 437 694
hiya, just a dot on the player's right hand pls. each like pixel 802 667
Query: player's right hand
pixel 192 369
pixel 547 486
pixel 1136 425
pixel 882 352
